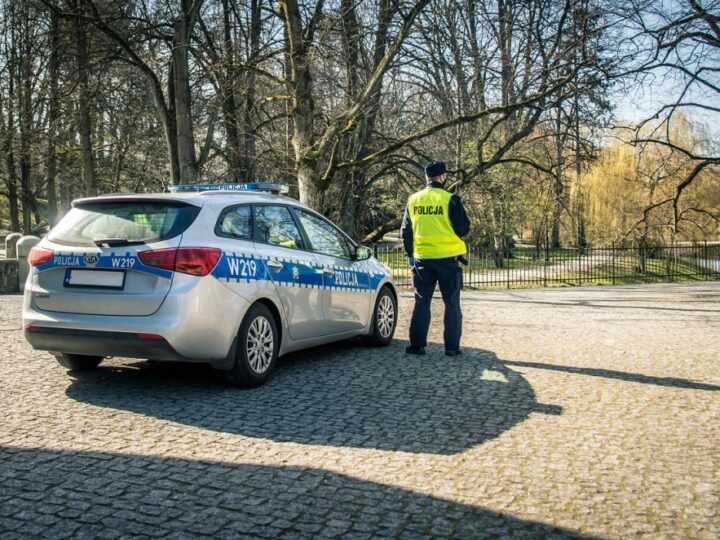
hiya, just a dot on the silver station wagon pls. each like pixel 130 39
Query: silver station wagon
pixel 230 275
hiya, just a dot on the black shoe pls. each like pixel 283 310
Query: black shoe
pixel 456 352
pixel 420 351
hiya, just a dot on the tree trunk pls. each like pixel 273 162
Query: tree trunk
pixel 355 183
pixel 478 56
pixel 496 223
pixel 53 118
pixel 227 82
pixel 303 105
pixel 9 128
pixel 25 84
pixel 249 143
pixel 351 182
pixel 182 31
pixel 505 30
pixel 581 233
pixel 307 189
pixel 558 182
pixel 66 195
pixel 84 120
pixel 12 183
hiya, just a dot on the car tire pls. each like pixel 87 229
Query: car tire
pixel 256 350
pixel 384 319
pixel 78 362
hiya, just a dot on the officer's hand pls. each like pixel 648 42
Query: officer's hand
pixel 411 261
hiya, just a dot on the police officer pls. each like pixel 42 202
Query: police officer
pixel 431 230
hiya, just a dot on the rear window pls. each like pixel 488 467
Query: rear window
pixel 123 223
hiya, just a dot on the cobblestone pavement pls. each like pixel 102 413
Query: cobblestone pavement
pixel 586 412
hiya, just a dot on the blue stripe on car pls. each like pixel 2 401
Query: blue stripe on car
pixel 294 273
pixel 113 261
pixel 234 267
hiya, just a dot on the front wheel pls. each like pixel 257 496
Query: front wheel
pixel 384 319
pixel 257 348
pixel 78 362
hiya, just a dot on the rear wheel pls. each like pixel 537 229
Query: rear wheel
pixel 257 348
pixel 78 362
pixel 384 319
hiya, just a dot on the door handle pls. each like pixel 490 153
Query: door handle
pixel 275 265
pixel 328 271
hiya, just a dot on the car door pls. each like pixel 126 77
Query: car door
pixel 293 269
pixel 347 289
pixel 240 268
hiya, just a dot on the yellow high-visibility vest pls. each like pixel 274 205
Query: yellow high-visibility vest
pixel 433 235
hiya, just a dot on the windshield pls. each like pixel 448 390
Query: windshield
pixel 123 223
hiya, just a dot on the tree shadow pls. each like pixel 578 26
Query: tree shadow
pixel 96 494
pixel 673 382
pixel 340 395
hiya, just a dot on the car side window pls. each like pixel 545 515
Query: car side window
pixel 324 238
pixel 275 225
pixel 236 223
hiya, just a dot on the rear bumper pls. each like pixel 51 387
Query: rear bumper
pixel 89 342
pixel 198 322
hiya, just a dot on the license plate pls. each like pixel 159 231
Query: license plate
pixel 104 279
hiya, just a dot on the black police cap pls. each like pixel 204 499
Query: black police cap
pixel 435 169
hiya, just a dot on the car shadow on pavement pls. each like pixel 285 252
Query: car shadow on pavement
pixel 60 494
pixel 341 395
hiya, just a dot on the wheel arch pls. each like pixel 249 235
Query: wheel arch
pixel 390 285
pixel 275 312
pixel 229 360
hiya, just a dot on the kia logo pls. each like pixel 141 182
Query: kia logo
pixel 91 259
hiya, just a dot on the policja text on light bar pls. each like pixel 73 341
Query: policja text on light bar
pixel 278 188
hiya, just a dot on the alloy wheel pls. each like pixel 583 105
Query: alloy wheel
pixel 260 344
pixel 386 316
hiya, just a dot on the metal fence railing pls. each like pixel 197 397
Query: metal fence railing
pixel 550 267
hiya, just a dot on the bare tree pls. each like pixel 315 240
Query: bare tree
pixel 84 121
pixel 680 47
pixel 486 76
pixel 316 154
pixel 174 110
pixel 23 50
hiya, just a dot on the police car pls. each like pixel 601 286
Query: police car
pixel 231 275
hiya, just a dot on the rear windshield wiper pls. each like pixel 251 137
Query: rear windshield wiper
pixel 110 242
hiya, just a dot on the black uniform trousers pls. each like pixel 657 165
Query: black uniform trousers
pixel 426 274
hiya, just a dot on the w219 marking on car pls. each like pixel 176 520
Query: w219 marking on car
pixel 122 263
pixel 242 267
pixel 232 277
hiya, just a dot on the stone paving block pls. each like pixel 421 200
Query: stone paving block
pixel 577 413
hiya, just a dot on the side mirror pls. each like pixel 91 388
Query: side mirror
pixel 362 253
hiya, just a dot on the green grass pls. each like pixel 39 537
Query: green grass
pixel 521 259
pixel 622 271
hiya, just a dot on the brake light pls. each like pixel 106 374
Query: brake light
pixel 197 261
pixel 190 260
pixel 39 256
pixel 149 337
pixel 159 258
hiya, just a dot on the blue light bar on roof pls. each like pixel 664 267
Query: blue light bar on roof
pixel 277 188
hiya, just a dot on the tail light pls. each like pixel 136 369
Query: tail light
pixel 149 337
pixel 39 256
pixel 190 260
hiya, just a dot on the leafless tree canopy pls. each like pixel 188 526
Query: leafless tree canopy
pixel 346 100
